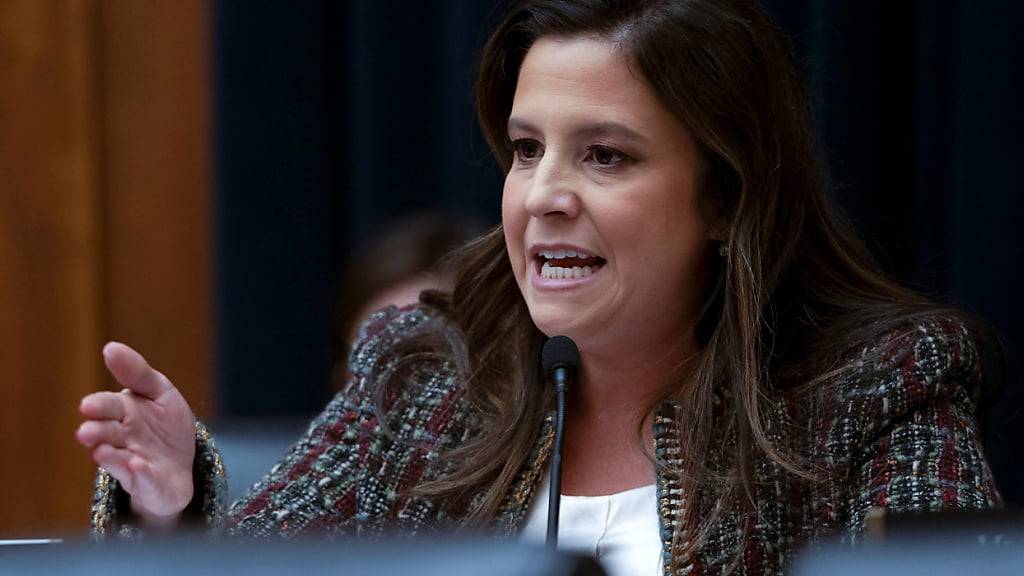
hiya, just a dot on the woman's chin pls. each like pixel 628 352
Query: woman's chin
pixel 557 321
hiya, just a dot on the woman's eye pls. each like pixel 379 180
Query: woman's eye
pixel 605 156
pixel 526 148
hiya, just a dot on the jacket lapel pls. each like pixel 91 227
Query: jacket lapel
pixel 517 501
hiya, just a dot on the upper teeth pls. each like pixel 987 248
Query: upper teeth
pixel 559 254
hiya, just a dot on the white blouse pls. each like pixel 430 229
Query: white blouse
pixel 620 530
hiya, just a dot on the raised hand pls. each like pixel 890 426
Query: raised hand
pixel 143 435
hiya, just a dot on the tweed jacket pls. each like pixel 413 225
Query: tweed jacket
pixel 904 439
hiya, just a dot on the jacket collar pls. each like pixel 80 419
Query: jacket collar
pixel 667 455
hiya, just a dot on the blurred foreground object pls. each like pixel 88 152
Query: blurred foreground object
pixel 989 542
pixel 309 557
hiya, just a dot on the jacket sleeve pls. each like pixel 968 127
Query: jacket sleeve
pixel 346 472
pixel 912 437
pixel 314 485
pixel 111 515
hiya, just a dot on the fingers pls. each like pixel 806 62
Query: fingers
pixel 96 432
pixel 133 372
pixel 103 406
pixel 116 461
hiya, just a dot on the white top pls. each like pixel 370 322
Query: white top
pixel 621 530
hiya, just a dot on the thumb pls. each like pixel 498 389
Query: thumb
pixel 133 372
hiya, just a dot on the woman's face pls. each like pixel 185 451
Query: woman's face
pixel 599 208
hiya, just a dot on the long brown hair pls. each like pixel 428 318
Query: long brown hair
pixel 795 292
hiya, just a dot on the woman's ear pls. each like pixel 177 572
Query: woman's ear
pixel 718 223
pixel 716 218
pixel 714 204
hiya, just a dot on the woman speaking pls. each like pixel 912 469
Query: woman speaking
pixel 749 379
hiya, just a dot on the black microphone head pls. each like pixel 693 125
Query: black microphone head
pixel 559 352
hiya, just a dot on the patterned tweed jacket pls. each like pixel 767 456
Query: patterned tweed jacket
pixel 905 441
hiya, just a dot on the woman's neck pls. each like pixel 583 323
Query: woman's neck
pixel 622 386
pixel 609 440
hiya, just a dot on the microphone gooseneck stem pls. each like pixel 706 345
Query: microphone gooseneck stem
pixel 561 378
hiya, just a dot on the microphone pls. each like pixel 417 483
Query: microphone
pixel 560 359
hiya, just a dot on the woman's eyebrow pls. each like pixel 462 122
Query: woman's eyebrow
pixel 609 128
pixel 587 130
pixel 520 125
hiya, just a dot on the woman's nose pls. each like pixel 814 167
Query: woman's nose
pixel 553 190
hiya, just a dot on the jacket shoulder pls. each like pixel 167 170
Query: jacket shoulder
pixel 933 361
pixel 384 334
pixel 405 362
pixel 931 358
pixel 901 432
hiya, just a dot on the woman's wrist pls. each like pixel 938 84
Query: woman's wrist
pixel 157 522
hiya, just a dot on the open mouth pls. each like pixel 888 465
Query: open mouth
pixel 567 264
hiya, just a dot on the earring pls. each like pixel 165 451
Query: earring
pixel 723 250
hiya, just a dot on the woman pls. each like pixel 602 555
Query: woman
pixel 739 350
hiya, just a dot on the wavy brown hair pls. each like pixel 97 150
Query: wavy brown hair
pixel 795 293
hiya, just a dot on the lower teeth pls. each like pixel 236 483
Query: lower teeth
pixel 560 273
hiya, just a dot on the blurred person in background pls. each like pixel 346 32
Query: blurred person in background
pixel 392 268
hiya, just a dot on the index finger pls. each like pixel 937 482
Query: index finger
pixel 133 372
pixel 103 406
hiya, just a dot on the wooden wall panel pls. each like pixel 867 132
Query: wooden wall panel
pixel 104 227
pixel 50 271
pixel 157 187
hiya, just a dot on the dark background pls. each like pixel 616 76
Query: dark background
pixel 334 117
